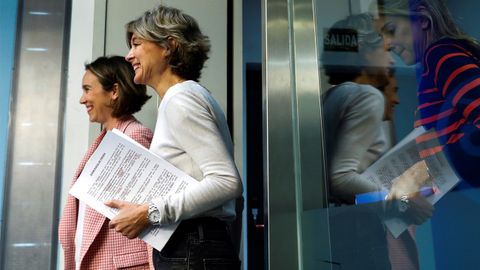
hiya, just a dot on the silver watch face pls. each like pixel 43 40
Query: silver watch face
pixel 403 204
pixel 153 215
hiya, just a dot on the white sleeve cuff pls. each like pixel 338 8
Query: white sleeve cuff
pixel 159 202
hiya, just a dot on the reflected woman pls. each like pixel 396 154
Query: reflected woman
pixel 354 111
pixel 423 32
pixel 110 97
pixel 354 107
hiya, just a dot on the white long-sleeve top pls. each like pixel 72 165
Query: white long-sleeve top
pixel 355 137
pixel 192 134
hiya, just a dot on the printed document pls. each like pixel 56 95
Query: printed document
pixel 399 159
pixel 122 169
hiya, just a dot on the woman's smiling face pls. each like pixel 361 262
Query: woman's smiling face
pixel 97 100
pixel 149 60
pixel 399 37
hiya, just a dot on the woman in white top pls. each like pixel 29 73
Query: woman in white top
pixel 167 52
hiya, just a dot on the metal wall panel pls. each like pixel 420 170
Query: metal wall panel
pixel 8 19
pixel 297 224
pixel 281 211
pixel 32 179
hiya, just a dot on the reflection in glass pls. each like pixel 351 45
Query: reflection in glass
pixel 360 72
pixel 425 33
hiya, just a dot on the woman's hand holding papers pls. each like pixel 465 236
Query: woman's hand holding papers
pixel 407 196
pixel 131 219
pixel 410 181
pixel 419 210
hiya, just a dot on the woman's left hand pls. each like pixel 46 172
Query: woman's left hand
pixel 419 210
pixel 131 219
pixel 410 181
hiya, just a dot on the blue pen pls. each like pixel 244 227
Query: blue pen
pixel 426 191
pixel 377 196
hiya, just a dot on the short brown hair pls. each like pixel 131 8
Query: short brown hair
pixel 111 70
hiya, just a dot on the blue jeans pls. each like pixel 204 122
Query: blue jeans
pixel 198 244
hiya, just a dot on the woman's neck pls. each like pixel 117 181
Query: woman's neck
pixel 167 80
pixel 111 123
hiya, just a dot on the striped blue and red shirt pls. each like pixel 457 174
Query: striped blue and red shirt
pixel 449 102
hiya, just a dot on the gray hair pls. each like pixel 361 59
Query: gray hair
pixel 346 66
pixel 171 28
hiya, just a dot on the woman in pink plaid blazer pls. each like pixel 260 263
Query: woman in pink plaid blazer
pixel 110 97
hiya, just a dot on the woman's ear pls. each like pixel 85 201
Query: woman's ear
pixel 424 18
pixel 114 92
pixel 172 46
pixel 425 22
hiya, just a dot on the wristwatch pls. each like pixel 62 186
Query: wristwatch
pixel 403 204
pixel 153 214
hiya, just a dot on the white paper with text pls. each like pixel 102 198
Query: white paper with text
pixel 122 169
pixel 401 157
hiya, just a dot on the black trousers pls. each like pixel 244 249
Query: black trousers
pixel 198 244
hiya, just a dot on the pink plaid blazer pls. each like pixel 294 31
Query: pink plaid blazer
pixel 103 248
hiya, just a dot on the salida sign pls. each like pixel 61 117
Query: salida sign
pixel 340 40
